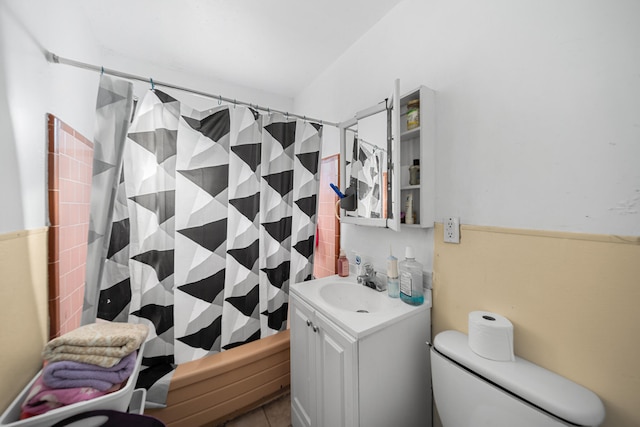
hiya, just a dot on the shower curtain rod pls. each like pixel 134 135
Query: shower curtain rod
pixel 51 57
pixel 372 145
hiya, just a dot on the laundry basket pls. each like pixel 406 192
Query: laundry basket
pixel 116 401
pixel 108 418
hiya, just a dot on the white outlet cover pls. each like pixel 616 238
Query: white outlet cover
pixel 452 230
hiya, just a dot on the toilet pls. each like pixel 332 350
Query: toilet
pixel 470 390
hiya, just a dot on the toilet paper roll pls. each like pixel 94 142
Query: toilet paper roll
pixel 491 336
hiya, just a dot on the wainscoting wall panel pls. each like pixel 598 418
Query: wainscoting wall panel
pixel 23 309
pixel 572 298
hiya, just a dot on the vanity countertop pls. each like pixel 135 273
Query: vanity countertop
pixel 359 310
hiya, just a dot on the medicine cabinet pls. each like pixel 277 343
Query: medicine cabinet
pixel 377 149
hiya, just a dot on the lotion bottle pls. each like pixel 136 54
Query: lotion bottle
pixel 414 173
pixel 408 209
pixel 393 283
pixel 343 264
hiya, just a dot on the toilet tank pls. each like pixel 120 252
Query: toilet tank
pixel 470 390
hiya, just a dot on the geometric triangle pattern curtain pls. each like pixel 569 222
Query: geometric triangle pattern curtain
pixel 214 217
pixel 367 177
pixel 113 112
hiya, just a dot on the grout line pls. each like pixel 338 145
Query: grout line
pixel 266 416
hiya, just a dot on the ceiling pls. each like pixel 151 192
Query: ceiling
pixel 278 46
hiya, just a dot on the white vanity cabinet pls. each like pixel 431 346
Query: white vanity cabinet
pixel 372 375
pixel 419 143
pixel 323 391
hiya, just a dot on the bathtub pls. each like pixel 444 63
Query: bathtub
pixel 217 388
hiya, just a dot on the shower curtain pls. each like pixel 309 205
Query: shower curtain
pixel 213 219
pixel 113 112
pixel 367 178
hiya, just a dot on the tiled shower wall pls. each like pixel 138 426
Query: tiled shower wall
pixel 70 157
pixel 328 233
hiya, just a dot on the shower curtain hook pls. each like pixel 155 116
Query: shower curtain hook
pixel 219 99
pixel 152 85
pixel 102 71
pixel 234 103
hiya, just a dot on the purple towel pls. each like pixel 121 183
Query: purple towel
pixel 68 374
pixel 42 399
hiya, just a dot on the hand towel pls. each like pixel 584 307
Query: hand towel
pixel 103 343
pixel 69 374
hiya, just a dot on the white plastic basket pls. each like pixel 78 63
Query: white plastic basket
pixel 117 401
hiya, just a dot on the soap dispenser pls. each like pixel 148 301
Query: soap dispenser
pixel 343 264
pixel 411 288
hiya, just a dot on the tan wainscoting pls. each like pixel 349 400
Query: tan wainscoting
pixel 23 309
pixel 573 300
pixel 217 388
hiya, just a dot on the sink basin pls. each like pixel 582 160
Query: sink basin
pixel 351 297
pixel 346 303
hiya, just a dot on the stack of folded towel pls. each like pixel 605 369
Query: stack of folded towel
pixel 83 364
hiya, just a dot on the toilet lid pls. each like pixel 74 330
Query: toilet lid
pixel 535 384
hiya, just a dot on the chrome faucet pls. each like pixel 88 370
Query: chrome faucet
pixel 369 278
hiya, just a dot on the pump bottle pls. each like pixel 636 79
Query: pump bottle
pixel 343 264
pixel 411 288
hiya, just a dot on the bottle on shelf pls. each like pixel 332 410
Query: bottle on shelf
pixel 414 172
pixel 413 114
pixel 409 215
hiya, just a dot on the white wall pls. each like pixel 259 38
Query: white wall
pixel 30 87
pixel 538 110
pixel 26 95
pixel 537 106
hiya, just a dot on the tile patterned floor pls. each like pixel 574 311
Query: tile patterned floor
pixel 276 413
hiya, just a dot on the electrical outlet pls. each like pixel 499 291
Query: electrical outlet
pixel 452 230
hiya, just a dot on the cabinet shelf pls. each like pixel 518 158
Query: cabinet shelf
pixel 403 225
pixel 408 134
pixel 410 187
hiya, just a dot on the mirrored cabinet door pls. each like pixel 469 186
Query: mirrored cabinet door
pixel 388 162
pixel 369 182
